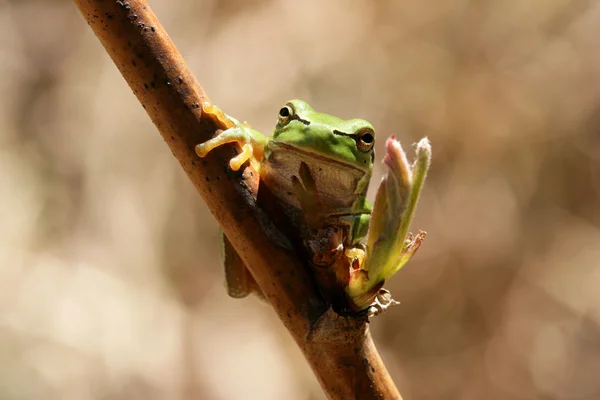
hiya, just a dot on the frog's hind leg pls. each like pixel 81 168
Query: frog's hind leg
pixel 307 194
pixel 238 279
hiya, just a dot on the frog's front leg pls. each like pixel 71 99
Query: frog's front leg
pixel 238 279
pixel 389 245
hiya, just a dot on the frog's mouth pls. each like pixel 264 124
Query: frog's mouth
pixel 302 154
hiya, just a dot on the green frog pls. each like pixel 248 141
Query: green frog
pixel 319 168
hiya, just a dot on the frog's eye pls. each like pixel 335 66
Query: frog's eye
pixel 285 115
pixel 365 140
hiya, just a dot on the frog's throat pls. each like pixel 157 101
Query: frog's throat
pixel 316 156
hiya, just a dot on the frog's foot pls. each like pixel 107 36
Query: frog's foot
pixel 251 143
pixel 389 245
pixel 383 300
pixel 231 135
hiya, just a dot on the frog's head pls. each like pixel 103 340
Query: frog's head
pixel 349 142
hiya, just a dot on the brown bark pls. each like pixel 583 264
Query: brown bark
pixel 339 349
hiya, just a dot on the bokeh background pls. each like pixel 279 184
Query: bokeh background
pixel 110 280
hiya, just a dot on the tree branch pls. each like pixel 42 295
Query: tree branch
pixel 339 349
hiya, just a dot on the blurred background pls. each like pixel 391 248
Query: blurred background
pixel 110 277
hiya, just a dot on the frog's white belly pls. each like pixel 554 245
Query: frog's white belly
pixel 336 182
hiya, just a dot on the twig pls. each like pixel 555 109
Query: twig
pixel 339 349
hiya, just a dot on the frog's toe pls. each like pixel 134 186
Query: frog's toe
pixel 236 162
pixel 202 149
